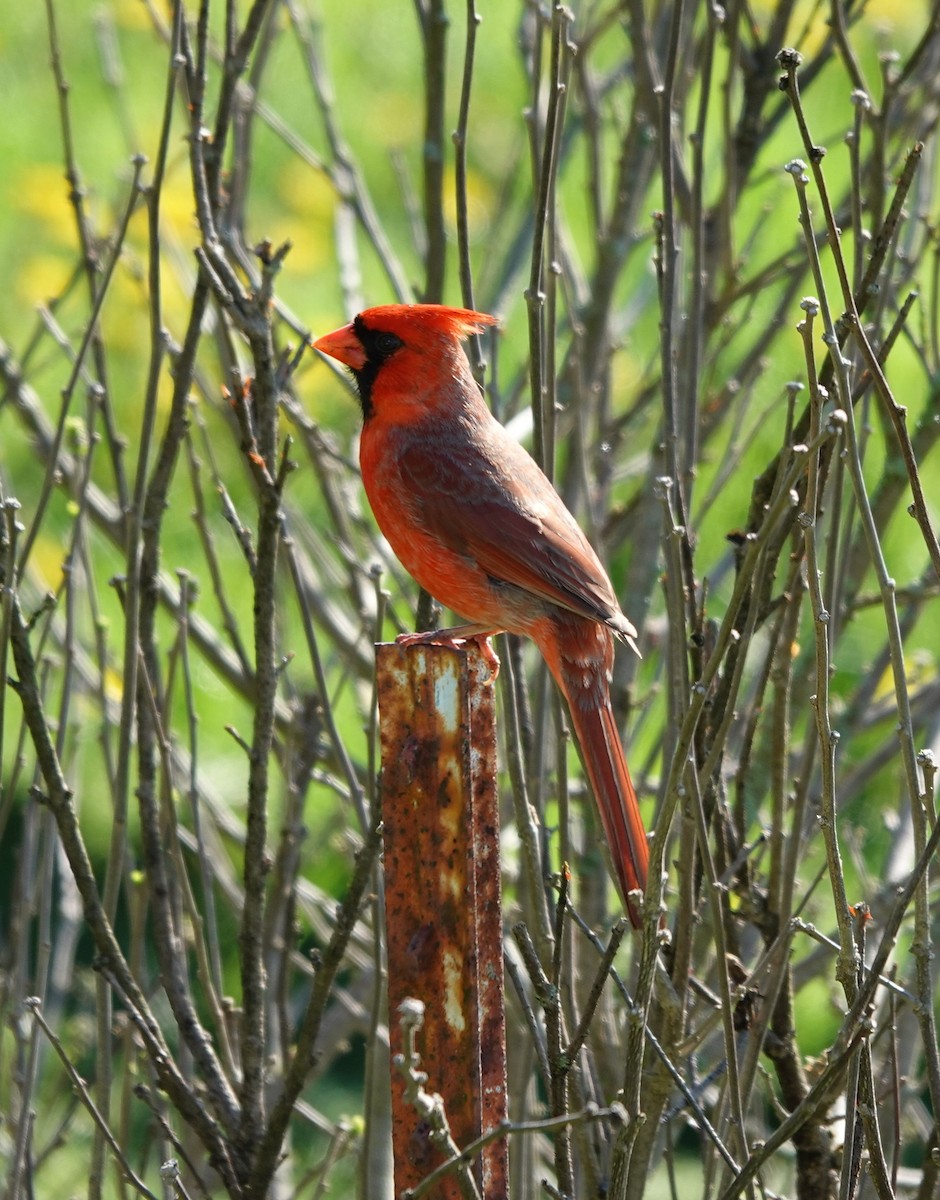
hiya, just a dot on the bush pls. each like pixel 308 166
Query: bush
pixel 715 262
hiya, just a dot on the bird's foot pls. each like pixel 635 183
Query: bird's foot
pixel 454 637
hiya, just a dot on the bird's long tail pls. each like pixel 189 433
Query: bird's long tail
pixel 580 660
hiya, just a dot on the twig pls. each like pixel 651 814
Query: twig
pixel 85 1096
pixel 58 796
pixel 430 1107
pixel 459 138
pixel 434 23
pixel 268 1148
pixel 509 1129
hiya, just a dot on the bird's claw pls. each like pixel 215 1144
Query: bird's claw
pixel 455 638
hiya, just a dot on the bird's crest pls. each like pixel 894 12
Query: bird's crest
pixel 454 322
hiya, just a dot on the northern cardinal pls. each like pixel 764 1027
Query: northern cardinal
pixel 477 523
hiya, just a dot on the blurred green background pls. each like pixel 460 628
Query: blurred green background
pixel 115 66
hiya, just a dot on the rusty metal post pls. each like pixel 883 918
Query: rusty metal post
pixel 442 892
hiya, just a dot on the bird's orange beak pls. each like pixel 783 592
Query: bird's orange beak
pixel 343 345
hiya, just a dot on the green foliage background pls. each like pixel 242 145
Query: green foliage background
pixel 116 66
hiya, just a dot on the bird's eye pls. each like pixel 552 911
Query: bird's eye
pixel 387 343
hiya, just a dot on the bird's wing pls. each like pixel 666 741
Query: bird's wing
pixel 500 511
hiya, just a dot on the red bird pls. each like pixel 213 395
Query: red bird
pixel 476 522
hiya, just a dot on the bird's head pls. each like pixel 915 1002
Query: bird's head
pixel 404 357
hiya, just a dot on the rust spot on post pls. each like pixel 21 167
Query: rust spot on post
pixel 442 886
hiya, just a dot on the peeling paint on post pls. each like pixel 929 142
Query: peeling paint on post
pixel 442 884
